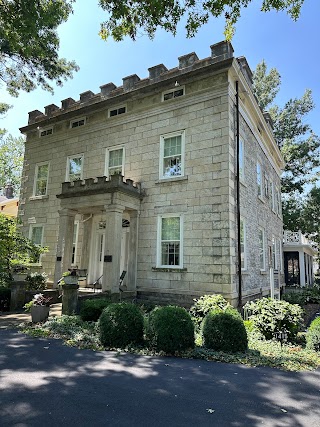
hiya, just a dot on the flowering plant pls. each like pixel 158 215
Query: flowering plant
pixel 38 299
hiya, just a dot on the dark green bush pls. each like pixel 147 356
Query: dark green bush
pixel 224 331
pixel 272 317
pixel 307 296
pixel 36 281
pixel 91 309
pixel 121 324
pixel 5 297
pixel 170 329
pixel 206 303
pixel 313 335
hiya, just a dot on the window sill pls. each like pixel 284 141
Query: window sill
pixel 39 197
pixel 170 270
pixel 171 179
pixel 261 199
pixel 263 272
pixel 242 182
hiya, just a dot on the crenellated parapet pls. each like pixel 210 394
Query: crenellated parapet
pixel 100 185
pixel 219 52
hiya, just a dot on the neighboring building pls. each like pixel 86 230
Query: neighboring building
pixel 8 203
pixel 298 259
pixel 171 222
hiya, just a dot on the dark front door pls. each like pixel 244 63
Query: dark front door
pixel 291 268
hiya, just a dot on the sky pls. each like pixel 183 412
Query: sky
pixel 291 47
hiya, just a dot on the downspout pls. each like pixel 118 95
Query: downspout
pixel 238 196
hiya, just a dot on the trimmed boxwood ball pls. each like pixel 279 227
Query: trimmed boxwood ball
pixel 121 324
pixel 170 329
pixel 313 335
pixel 91 309
pixel 224 331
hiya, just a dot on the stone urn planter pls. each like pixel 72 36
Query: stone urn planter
pixel 70 280
pixel 39 313
pixel 19 277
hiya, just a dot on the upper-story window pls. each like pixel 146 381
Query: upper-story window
pixel 173 93
pixel 114 161
pixel 77 122
pixel 170 241
pixel 272 196
pixel 267 185
pixel 116 111
pixel 241 159
pixel 172 155
pixel 259 179
pixel 45 132
pixel 40 186
pixel 74 168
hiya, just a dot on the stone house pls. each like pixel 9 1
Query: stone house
pixel 143 178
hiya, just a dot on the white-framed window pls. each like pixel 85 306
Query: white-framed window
pixel 170 238
pixel 262 249
pixel 74 168
pixel 45 132
pixel 172 155
pixel 259 179
pixel 278 201
pixel 272 196
pixel 243 244
pixel 280 255
pixel 114 161
pixel 75 242
pixel 241 159
pixel 77 122
pixel 36 236
pixel 266 185
pixel 173 93
pixel 117 111
pixel 274 254
pixel 40 186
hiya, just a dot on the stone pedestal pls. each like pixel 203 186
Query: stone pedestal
pixel 69 299
pixel 18 290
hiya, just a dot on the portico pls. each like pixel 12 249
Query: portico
pixel 105 207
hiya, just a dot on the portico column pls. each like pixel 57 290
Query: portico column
pixel 302 268
pixel 112 249
pixel 86 242
pixel 133 250
pixel 65 243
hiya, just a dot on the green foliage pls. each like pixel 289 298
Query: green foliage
pixel 266 85
pixel 313 335
pixel 91 309
pixel 170 329
pixel 206 303
pixel 224 331
pixel 272 317
pixel 36 281
pixel 307 296
pixel 121 324
pixel 130 17
pixel 14 248
pixel 5 297
pixel 29 44
pixel 11 161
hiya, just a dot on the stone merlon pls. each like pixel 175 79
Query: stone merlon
pixel 219 52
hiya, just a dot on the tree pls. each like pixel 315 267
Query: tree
pixel 299 145
pixel 11 161
pixel 15 249
pixel 128 17
pixel 29 44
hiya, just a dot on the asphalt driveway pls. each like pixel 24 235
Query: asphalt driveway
pixel 44 383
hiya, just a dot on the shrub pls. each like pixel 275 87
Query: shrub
pixel 121 324
pixel 36 281
pixel 224 331
pixel 170 329
pixel 91 309
pixel 5 296
pixel 313 335
pixel 206 303
pixel 307 296
pixel 272 317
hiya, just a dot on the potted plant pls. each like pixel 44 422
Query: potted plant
pixel 39 308
pixel 19 272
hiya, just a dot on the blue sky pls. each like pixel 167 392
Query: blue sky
pixel 291 47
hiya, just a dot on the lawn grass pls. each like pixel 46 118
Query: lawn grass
pixel 75 332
